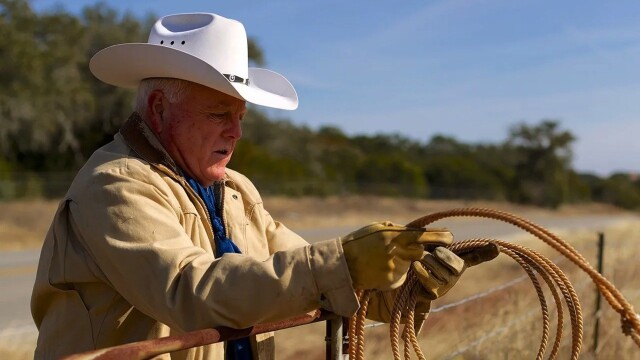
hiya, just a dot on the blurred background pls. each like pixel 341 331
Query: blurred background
pixel 529 101
pixel 527 104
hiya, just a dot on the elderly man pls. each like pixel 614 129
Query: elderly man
pixel 157 237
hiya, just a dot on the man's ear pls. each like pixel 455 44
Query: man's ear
pixel 155 109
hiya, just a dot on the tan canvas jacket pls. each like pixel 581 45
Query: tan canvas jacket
pixel 129 257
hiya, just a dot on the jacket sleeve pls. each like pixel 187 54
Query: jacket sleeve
pixel 280 238
pixel 130 228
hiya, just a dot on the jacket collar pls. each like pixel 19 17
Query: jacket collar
pixel 137 134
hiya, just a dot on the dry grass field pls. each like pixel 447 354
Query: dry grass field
pixel 504 324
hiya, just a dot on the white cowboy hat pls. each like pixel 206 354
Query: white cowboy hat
pixel 204 48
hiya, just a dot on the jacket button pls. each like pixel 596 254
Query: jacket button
pixel 234 196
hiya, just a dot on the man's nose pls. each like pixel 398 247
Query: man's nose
pixel 234 130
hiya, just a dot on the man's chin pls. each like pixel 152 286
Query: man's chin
pixel 216 175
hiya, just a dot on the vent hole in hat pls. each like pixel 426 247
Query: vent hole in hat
pixel 161 42
pixel 183 42
pixel 171 42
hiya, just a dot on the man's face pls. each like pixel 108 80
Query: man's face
pixel 200 131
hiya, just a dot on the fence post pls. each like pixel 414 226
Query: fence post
pixel 333 338
pixel 598 295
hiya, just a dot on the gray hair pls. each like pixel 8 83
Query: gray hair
pixel 173 89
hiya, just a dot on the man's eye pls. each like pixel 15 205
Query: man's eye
pixel 218 116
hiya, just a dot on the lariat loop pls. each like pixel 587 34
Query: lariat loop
pixel 533 263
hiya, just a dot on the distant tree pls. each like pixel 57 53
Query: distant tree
pixel 270 173
pixel 385 144
pixel 54 114
pixel 103 27
pixel 48 102
pixel 41 98
pixel 496 160
pixel 542 165
pixel 618 189
pixel 579 190
pixel 392 176
pixel 338 157
pixel 389 165
pixel 280 137
pixel 457 170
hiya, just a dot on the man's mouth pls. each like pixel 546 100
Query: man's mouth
pixel 222 152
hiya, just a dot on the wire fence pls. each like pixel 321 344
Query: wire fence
pixel 479 340
pixel 513 323
pixel 522 318
pixel 336 338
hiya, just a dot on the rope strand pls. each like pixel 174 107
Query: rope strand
pixel 534 265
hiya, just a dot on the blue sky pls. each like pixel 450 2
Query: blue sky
pixel 463 68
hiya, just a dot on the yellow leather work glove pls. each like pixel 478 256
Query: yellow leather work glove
pixel 380 254
pixel 438 271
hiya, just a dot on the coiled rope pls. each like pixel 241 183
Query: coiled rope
pixel 532 262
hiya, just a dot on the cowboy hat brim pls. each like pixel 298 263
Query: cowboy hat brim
pixel 124 65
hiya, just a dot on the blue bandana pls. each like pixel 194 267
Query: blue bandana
pixel 239 349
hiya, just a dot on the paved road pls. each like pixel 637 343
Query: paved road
pixel 17 274
pixel 17 269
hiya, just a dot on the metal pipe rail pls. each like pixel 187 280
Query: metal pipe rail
pixel 154 347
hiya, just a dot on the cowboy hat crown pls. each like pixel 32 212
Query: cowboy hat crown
pixel 204 48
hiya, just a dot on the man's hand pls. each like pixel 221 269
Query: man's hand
pixel 380 254
pixel 438 271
